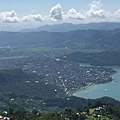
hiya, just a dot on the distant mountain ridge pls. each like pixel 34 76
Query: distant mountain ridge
pixel 65 27
pixel 76 40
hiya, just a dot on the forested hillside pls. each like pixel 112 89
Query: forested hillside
pixel 106 58
pixel 77 40
pixel 93 111
pixel 21 89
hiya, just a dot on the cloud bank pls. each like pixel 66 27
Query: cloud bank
pixel 56 13
pixel 36 17
pixel 10 17
pixel 73 14
pixel 94 12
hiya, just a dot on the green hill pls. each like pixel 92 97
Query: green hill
pixel 77 40
pixel 93 111
pixel 18 88
pixel 106 58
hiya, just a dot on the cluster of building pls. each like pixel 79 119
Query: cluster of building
pixel 69 75
pixel 59 72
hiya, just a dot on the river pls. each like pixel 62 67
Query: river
pixel 111 89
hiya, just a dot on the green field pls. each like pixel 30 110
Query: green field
pixel 38 49
pixel 12 57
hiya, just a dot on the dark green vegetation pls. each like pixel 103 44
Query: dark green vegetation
pixel 75 40
pixel 93 111
pixel 75 102
pixel 18 88
pixel 106 58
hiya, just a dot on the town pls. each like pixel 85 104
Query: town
pixel 66 75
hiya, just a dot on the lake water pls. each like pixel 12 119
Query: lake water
pixel 111 89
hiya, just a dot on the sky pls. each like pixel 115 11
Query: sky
pixel 20 14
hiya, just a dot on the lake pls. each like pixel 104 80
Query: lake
pixel 111 89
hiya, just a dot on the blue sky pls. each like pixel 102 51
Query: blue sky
pixel 45 5
pixel 19 14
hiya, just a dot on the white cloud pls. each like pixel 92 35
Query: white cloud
pixel 117 14
pixel 10 17
pixel 93 13
pixel 95 10
pixel 72 13
pixel 115 17
pixel 36 17
pixel 56 13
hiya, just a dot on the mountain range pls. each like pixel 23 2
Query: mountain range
pixel 76 40
pixel 65 27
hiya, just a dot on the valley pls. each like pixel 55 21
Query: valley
pixel 27 75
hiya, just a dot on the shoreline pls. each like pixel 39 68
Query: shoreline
pixel 72 92
pixel 104 89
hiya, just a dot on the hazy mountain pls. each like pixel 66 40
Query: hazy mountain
pixel 80 39
pixel 65 27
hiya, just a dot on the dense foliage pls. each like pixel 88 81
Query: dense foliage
pixel 106 58
pixel 24 90
pixel 80 39
pixel 95 111
pixel 21 83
